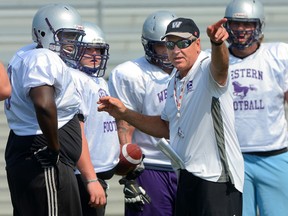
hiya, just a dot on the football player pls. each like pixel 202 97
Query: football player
pixel 142 85
pixel 44 143
pixel 100 129
pixel 258 72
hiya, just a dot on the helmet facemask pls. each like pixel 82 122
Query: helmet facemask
pixel 92 63
pixel 151 55
pixel 251 36
pixel 66 45
pixel 246 12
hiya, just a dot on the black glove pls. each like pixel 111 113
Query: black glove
pixel 134 195
pixel 132 175
pixel 47 157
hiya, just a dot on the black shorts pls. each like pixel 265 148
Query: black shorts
pixel 198 197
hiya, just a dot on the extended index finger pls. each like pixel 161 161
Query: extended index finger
pixel 220 22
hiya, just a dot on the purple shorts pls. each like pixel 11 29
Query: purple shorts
pixel 161 186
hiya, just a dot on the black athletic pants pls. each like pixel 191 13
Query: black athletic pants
pixel 36 191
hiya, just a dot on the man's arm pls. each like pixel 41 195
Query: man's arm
pixel 5 87
pixel 46 112
pixel 286 96
pixel 219 52
pixel 125 132
pixel 152 125
pixel 85 166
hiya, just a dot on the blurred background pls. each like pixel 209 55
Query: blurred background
pixel 121 21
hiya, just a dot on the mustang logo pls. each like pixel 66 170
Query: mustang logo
pixel 241 91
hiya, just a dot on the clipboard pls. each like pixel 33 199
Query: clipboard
pixel 165 147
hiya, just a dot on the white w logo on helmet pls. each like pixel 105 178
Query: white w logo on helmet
pixel 176 24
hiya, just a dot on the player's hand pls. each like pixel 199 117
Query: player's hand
pixel 134 195
pixel 97 194
pixel 47 157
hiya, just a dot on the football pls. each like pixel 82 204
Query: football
pixel 130 157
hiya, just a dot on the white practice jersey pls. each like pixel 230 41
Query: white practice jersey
pixel 142 87
pixel 258 84
pixel 31 68
pixel 100 128
pixel 203 134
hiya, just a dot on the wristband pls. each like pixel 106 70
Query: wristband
pixel 91 180
pixel 216 44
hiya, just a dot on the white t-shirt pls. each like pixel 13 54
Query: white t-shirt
pixel 100 128
pixel 258 84
pixel 142 87
pixel 206 143
pixel 30 68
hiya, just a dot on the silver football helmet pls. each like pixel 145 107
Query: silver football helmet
pixel 94 39
pixel 153 29
pixel 58 27
pixel 245 11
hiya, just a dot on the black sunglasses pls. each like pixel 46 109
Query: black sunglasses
pixel 181 44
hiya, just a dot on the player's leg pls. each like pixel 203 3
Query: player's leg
pixel 250 188
pixel 36 191
pixel 273 187
pixel 69 203
pixel 27 188
pixel 26 177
